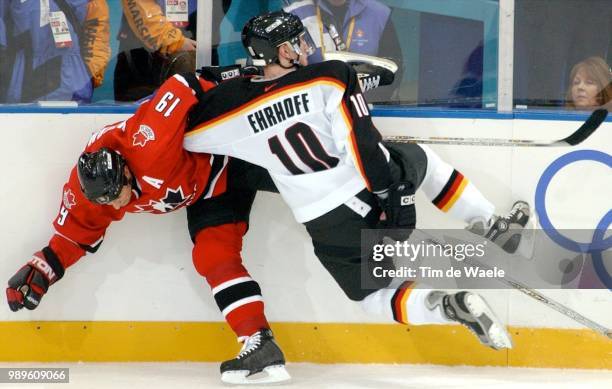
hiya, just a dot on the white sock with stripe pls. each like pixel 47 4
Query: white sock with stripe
pixel 453 193
pixel 403 305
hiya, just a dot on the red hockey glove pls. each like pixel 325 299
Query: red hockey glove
pixel 27 287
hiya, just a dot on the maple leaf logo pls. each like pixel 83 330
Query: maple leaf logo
pixel 69 199
pixel 175 199
pixel 144 134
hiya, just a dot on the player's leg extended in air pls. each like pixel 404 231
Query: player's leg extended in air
pixel 336 238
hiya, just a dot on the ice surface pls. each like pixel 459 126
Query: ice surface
pixel 311 376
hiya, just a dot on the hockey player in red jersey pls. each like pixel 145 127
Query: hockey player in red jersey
pixel 140 166
pixel 310 127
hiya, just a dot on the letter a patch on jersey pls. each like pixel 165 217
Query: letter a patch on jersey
pixel 144 134
pixel 154 182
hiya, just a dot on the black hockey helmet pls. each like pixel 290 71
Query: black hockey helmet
pixel 101 174
pixel 263 34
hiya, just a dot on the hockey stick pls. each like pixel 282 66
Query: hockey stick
pixel 586 129
pixel 534 294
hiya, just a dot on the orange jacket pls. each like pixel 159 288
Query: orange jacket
pixel 96 48
pixel 148 22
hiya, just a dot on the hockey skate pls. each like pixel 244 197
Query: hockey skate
pixel 472 311
pixel 505 231
pixel 260 361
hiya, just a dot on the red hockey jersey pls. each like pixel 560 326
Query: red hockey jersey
pixel 166 177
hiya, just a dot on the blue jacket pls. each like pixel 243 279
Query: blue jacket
pixel 41 70
pixel 370 19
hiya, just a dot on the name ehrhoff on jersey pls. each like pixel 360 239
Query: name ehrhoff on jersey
pixel 276 113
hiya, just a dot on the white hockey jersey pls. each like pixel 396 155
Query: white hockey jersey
pixel 311 129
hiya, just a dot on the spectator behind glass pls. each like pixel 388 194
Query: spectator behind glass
pixel 359 26
pixel 154 36
pixel 590 84
pixel 56 49
pixel 96 49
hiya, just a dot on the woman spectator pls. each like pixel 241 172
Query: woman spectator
pixel 590 84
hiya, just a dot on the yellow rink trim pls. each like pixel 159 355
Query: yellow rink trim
pixel 301 342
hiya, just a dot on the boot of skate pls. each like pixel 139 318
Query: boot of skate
pixel 472 311
pixel 260 361
pixel 505 231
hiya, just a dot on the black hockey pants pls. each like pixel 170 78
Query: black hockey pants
pixel 336 236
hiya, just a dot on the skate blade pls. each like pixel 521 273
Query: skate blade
pixel 270 375
pixel 497 335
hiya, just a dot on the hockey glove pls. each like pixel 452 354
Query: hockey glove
pixel 372 72
pixel 27 287
pixel 371 77
pixel 399 210
pixel 219 74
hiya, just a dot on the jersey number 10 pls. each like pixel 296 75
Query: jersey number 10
pixel 361 107
pixel 306 146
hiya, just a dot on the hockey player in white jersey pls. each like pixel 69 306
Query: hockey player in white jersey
pixel 310 127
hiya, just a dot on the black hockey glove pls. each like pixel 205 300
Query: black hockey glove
pixel 372 76
pixel 219 74
pixel 372 71
pixel 399 210
pixel 27 287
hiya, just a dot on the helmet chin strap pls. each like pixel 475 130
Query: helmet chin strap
pixel 295 63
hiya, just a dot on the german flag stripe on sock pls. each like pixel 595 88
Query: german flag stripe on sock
pixel 398 302
pixel 451 191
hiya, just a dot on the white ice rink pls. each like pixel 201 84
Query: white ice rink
pixel 311 376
